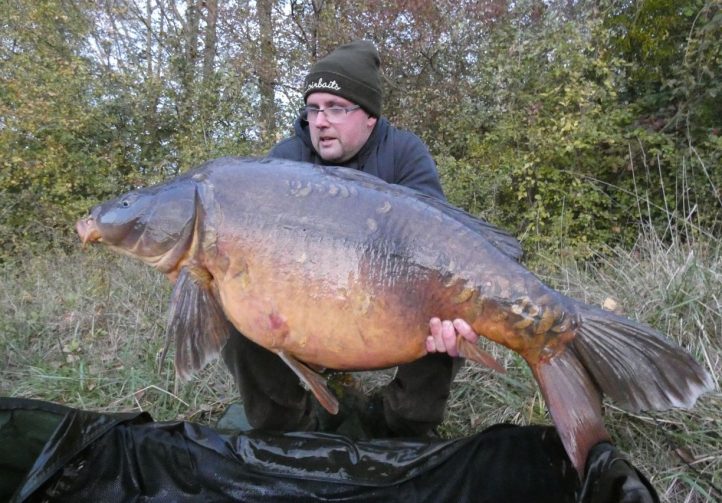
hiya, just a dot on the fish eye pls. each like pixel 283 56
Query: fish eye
pixel 128 200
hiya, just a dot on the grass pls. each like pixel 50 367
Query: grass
pixel 85 329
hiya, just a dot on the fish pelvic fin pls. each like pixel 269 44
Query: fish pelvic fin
pixel 196 323
pixel 638 368
pixel 574 403
pixel 475 353
pixel 315 382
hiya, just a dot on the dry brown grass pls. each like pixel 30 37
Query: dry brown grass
pixel 84 329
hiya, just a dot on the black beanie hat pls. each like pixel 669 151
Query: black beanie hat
pixel 350 71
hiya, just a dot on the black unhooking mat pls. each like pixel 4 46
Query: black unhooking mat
pixel 53 453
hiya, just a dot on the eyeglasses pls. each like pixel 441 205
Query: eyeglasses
pixel 334 115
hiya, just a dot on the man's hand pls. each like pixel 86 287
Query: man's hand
pixel 444 333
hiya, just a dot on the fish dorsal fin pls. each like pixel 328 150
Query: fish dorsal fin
pixel 315 382
pixel 196 322
pixel 475 353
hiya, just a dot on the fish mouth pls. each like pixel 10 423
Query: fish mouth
pixel 87 230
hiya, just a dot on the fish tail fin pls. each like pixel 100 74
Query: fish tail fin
pixel 633 364
pixel 574 403
pixel 197 324
pixel 636 366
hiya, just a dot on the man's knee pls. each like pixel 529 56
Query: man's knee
pixel 265 414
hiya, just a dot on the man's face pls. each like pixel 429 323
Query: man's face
pixel 341 141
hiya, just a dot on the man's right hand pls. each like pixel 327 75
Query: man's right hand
pixel 444 333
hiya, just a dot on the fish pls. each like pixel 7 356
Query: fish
pixel 332 268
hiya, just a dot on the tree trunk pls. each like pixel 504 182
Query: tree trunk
pixel 266 71
pixel 188 66
pixel 209 49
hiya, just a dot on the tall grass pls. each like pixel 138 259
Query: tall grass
pixel 85 329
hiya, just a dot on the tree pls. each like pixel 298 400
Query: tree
pixel 549 118
pixel 55 138
pixel 266 69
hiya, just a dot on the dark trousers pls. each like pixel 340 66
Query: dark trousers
pixel 273 398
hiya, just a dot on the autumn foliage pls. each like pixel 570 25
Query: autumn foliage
pixel 570 123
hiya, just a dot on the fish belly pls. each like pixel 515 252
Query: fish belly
pixel 328 307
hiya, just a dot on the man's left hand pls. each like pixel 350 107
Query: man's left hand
pixel 444 333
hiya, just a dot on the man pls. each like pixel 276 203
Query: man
pixel 341 125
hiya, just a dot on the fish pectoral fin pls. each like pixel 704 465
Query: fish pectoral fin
pixel 475 353
pixel 574 403
pixel 196 322
pixel 315 382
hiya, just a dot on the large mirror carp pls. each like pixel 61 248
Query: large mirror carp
pixel 331 268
